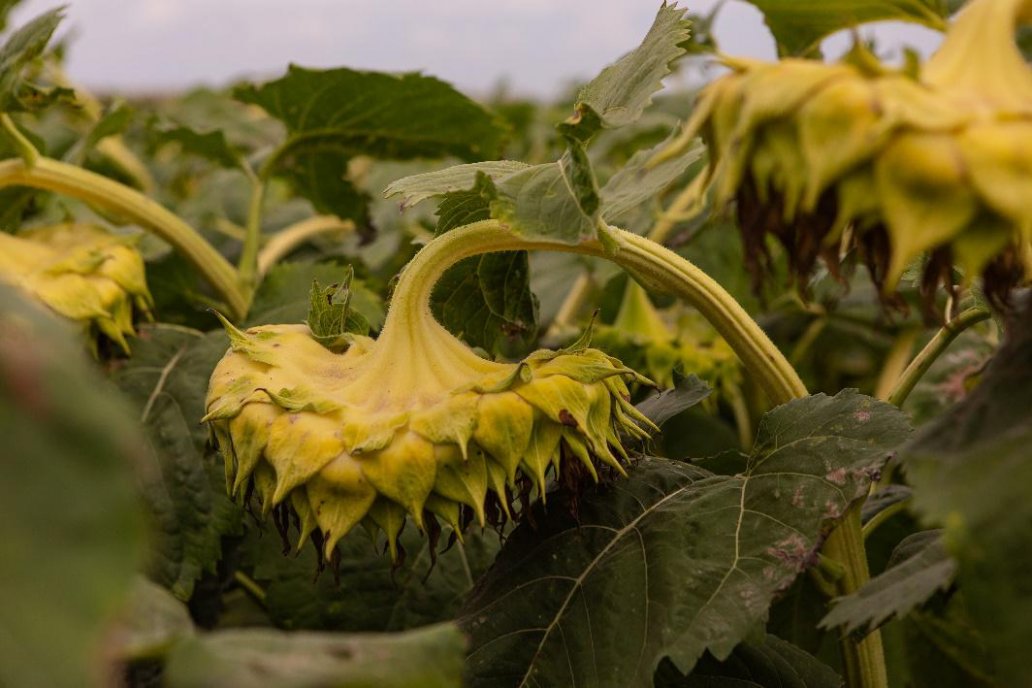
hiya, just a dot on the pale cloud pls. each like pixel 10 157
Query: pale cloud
pixel 538 46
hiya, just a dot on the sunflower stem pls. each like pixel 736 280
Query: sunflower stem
pixel 932 350
pixel 99 191
pixel 286 240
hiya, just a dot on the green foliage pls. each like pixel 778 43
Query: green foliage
pixel 70 520
pixel 772 662
pixel 486 300
pixel 620 93
pixel 365 592
pixel 212 145
pixel 285 295
pixel 373 113
pixel 166 379
pixel 674 560
pixel 921 569
pixel 21 48
pixel 798 25
pixel 330 314
pixel 333 115
pixel 970 471
pixel 429 658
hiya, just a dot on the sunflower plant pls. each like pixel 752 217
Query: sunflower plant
pixel 311 382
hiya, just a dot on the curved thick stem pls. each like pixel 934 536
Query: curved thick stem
pixel 102 192
pixel 653 265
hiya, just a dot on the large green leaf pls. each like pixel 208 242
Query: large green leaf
pixel 922 568
pixel 674 560
pixel 168 380
pixel 427 658
pixel 71 531
pixel 622 91
pixel 396 116
pixel 773 663
pixel 365 592
pixel 21 47
pixel 333 115
pixel 798 25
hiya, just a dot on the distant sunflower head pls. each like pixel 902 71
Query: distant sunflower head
pixel 831 158
pixel 82 272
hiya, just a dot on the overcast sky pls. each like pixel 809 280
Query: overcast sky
pixel 536 45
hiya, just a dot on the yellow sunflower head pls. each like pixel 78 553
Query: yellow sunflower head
pixel 82 272
pixel 413 425
pixel 834 157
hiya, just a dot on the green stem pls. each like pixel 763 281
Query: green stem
pixel 251 586
pixel 928 355
pixel 248 265
pixel 884 515
pixel 656 267
pixel 22 146
pixel 864 659
pixel 102 192
pixel 286 240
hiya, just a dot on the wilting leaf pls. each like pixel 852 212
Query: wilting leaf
pixel 662 406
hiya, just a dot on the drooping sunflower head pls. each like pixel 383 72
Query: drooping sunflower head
pixel 833 158
pixel 411 426
pixel 82 272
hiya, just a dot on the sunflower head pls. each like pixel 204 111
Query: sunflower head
pixel 856 157
pixel 411 426
pixel 82 272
